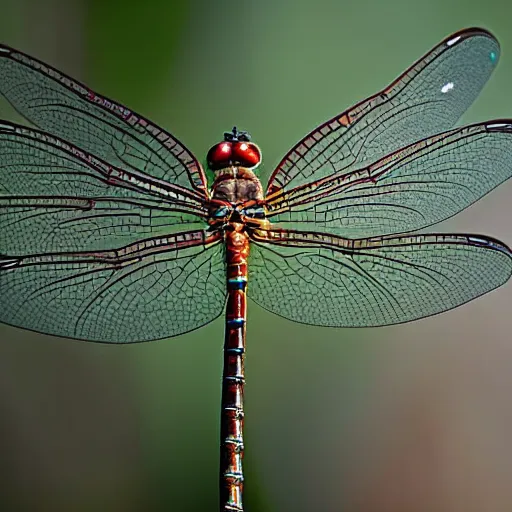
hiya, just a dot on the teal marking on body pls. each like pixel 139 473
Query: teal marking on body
pixel 235 322
pixel 493 56
pixel 235 350
pixel 237 283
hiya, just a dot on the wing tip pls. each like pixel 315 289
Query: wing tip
pixel 498 125
pixel 490 243
pixel 7 126
pixel 471 33
pixel 8 263
pixel 468 32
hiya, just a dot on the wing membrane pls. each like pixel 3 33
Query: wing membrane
pixel 153 289
pixel 56 197
pixel 331 281
pixel 57 103
pixel 427 99
pixel 413 188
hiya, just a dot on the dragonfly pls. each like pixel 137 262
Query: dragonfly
pixel 113 231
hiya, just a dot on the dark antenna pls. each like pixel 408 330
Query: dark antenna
pixel 236 136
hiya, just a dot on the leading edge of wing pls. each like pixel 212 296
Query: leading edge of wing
pixel 312 239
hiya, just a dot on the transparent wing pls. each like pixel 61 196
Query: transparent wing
pixel 331 281
pixel 427 99
pixel 415 187
pixel 156 288
pixel 58 104
pixel 56 197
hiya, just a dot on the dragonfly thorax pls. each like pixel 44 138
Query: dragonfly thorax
pixel 236 193
pixel 236 185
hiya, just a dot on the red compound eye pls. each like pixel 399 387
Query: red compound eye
pixel 220 156
pixel 246 154
pixel 224 154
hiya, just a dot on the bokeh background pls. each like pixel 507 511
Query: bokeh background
pixel 410 418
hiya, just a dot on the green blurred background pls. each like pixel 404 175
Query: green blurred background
pixel 409 418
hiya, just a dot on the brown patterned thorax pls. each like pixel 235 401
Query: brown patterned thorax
pixel 237 185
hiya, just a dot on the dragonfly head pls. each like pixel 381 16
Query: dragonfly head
pixel 236 150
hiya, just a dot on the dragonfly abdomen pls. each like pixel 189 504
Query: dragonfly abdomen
pixel 232 415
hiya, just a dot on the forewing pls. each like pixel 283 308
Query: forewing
pixel 427 99
pixel 58 104
pixel 56 197
pixel 331 281
pixel 154 289
pixel 415 187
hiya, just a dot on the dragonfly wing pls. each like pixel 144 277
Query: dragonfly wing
pixel 412 188
pixel 56 197
pixel 156 288
pixel 426 99
pixel 57 103
pixel 326 280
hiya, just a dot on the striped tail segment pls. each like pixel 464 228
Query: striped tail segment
pixel 232 414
